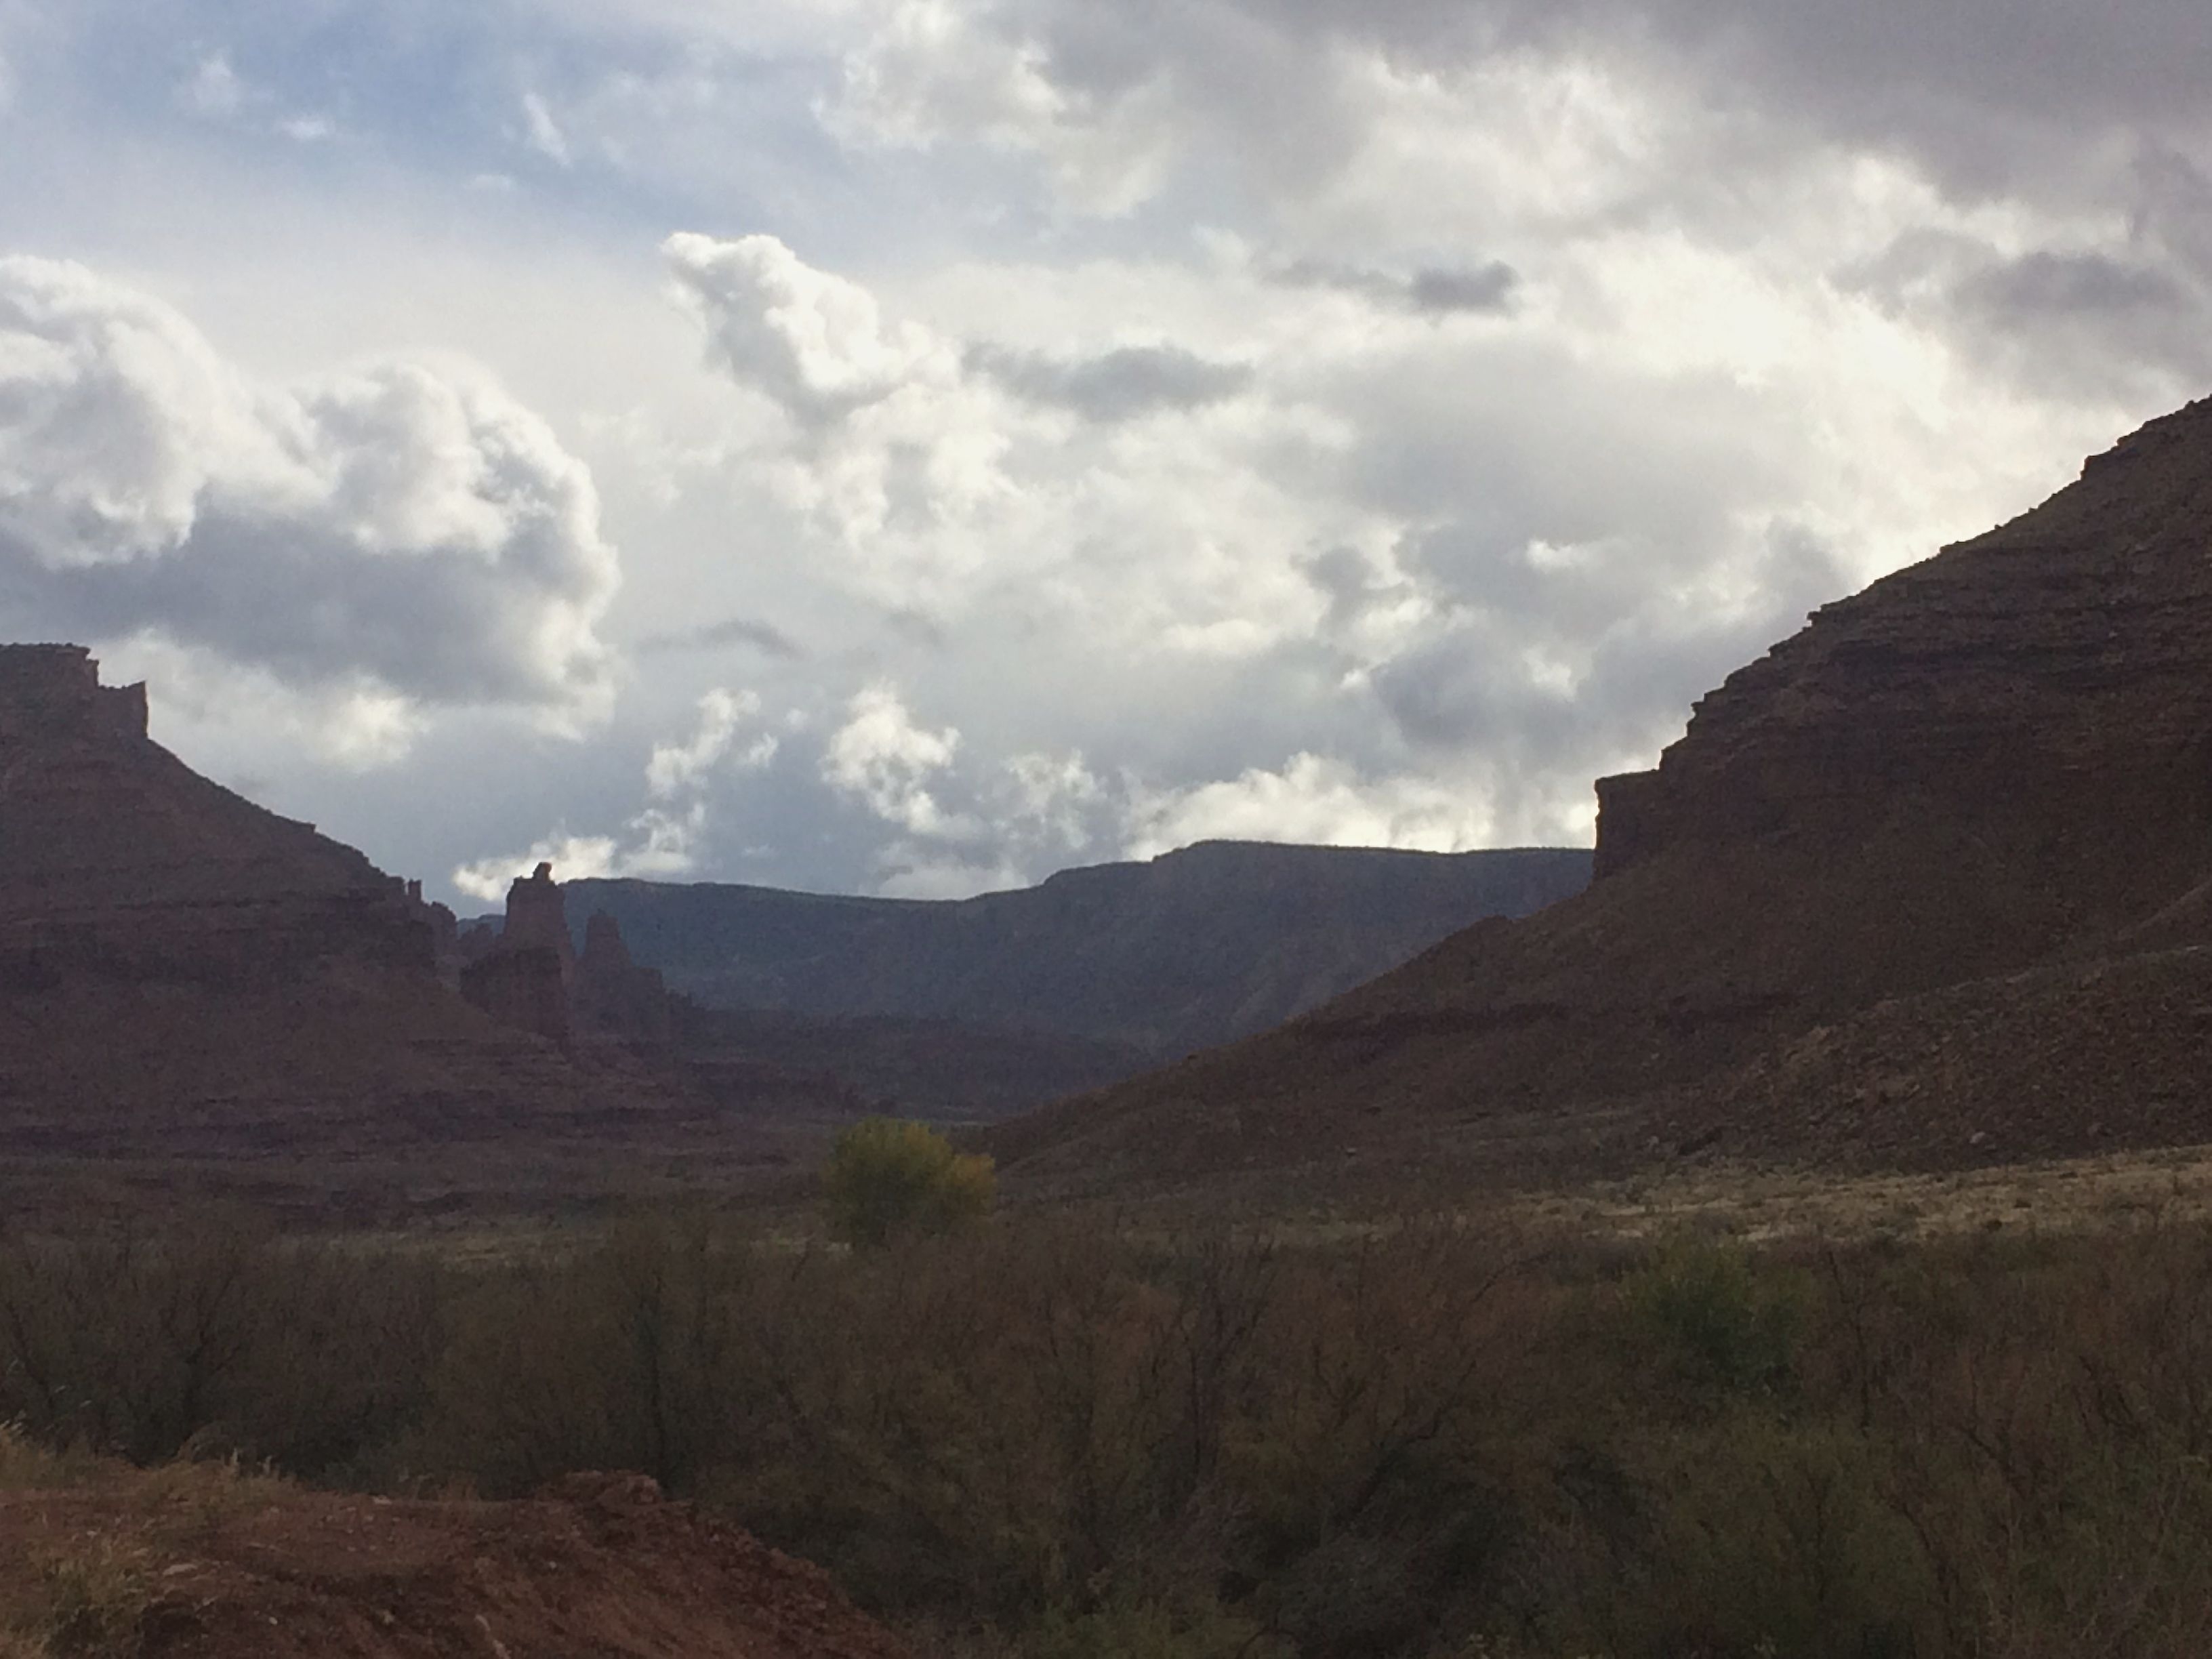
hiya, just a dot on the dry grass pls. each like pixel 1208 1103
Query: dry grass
pixel 84 1598
pixel 1758 1205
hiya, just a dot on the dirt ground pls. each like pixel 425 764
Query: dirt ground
pixel 194 1562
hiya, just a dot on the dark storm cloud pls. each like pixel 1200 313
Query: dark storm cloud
pixel 1994 97
pixel 310 609
pixel 1120 385
pixel 2045 285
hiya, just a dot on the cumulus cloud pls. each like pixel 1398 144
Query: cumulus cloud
pixel 1408 585
pixel 937 469
pixel 1382 474
pixel 573 858
pixel 406 531
pixel 677 766
pixel 814 342
pixel 881 756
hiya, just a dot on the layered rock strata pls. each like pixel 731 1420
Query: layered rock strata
pixel 184 975
pixel 118 860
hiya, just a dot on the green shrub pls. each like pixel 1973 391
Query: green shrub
pixel 888 1176
pixel 1729 1325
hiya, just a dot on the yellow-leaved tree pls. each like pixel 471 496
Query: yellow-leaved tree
pixel 889 1176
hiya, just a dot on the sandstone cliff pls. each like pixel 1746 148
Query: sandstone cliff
pixel 1966 808
pixel 188 982
pixel 117 860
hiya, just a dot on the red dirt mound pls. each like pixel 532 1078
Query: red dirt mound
pixel 193 1564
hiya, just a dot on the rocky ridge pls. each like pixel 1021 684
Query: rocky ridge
pixel 1963 817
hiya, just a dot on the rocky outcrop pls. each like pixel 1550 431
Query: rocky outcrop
pixel 526 977
pixel 1970 783
pixel 527 974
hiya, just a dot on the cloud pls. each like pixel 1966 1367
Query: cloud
pixel 213 89
pixel 2042 284
pixel 1118 385
pixel 1435 290
pixel 543 133
pixel 939 70
pixel 882 758
pixel 1385 473
pixel 815 343
pixel 1314 799
pixel 1987 97
pixel 1409 585
pixel 763 637
pixel 573 858
pixel 1489 288
pixel 403 530
pixel 676 768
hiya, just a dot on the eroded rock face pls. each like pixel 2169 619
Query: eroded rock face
pixel 530 977
pixel 525 979
pixel 2058 669
pixel 118 860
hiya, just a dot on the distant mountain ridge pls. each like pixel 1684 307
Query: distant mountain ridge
pixel 1200 946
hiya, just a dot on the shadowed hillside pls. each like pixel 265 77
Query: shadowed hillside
pixel 1923 885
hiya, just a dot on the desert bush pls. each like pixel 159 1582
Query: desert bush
pixel 621 1357
pixel 1055 1436
pixel 213 1334
pixel 1720 1320
pixel 886 1177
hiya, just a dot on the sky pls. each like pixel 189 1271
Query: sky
pixel 909 446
